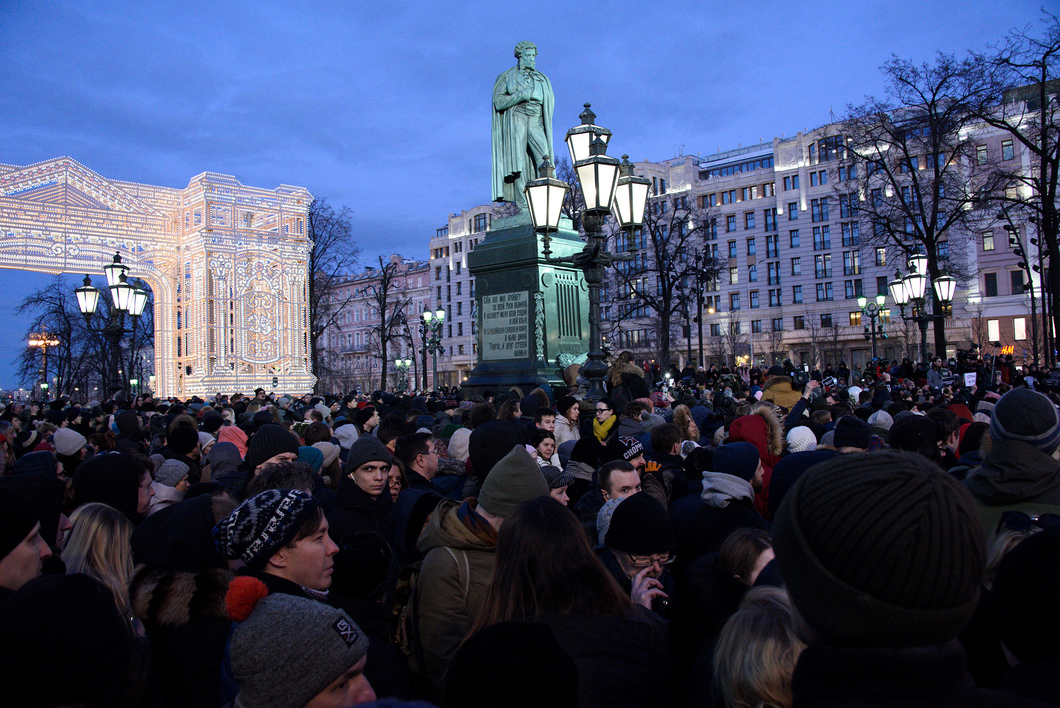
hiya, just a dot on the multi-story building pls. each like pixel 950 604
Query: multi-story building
pixel 453 290
pixel 351 345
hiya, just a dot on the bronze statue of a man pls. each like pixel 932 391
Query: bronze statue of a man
pixel 522 126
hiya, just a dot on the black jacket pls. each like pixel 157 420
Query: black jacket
pixel 356 510
pixel 932 677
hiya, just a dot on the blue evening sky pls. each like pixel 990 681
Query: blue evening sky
pixel 384 106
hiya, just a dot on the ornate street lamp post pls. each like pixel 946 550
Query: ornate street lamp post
pixel 127 298
pixel 431 333
pixel 606 185
pixel 43 341
pixel 912 290
pixel 873 310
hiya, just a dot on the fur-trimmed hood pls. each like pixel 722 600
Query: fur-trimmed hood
pixel 624 367
pixel 167 598
pixel 761 428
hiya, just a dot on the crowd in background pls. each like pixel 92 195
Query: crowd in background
pixel 712 537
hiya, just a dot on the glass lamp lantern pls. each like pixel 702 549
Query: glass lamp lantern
pixel 581 137
pixel 87 298
pixel 631 196
pixel 545 196
pixel 598 177
pixel 122 294
pixel 114 270
pixel 899 293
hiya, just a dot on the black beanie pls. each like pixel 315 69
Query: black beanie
pixel 881 549
pixel 18 516
pixel 641 526
pixel 77 613
pixel 851 431
pixel 182 439
pixel 111 478
pixel 212 422
pixel 915 433
pixel 363 415
pixel 564 405
pixel 269 441
pixel 1023 599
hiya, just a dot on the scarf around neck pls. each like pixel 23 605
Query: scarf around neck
pixel 720 489
pixel 475 523
pixel 601 430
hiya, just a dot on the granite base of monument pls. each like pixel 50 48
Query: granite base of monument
pixel 531 315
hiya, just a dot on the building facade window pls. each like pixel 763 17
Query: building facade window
pixel 778 324
pixel 752 274
pixel 822 238
pixel 796 294
pixel 993 330
pixel 881 256
pixel 796 266
pixel 756 326
pixel 751 248
pixel 793 211
pixel 754 299
pixel 798 322
pixel 734 275
pixel 770 217
pixel 1007 153
pixel 793 237
pixel 734 301
pixel 1019 328
pixel 988 240
pixel 772 246
pixel 730 223
pixel 990 286
pixel 826 320
pixel 732 249
pixel 749 220
pixel 774 297
pixel 819 209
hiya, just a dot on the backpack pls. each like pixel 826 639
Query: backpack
pixel 403 633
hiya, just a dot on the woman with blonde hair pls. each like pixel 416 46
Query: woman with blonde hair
pixel 99 546
pixel 756 652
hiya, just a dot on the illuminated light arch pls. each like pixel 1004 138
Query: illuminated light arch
pixel 227 265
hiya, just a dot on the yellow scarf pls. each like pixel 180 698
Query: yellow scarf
pixel 601 430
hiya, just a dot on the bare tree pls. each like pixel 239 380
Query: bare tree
pixel 388 298
pixel 333 257
pixel 905 159
pixel 1020 98
pixel 666 256
pixel 572 200
pixel 775 341
pixel 816 336
pixel 834 332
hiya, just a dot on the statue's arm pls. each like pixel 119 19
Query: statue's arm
pixel 502 99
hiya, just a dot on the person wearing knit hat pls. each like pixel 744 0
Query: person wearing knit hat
pixel 271 443
pixel 919 434
pixel 363 499
pixel 281 536
pixel 68 442
pixel 169 485
pixel 117 479
pixel 206 442
pixel 728 501
pixel 801 439
pixel 557 481
pixel 22 549
pixel 628 449
pixel 289 652
pixel 1019 472
pixel 852 434
pixel 459 546
pixel 640 542
pixel 366 420
pixel 513 480
pixel 883 560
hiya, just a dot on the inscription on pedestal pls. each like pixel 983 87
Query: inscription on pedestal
pixel 505 326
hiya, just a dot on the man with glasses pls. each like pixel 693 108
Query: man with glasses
pixel 639 547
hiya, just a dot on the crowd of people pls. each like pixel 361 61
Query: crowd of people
pixel 745 538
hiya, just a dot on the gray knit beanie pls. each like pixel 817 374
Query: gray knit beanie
pixel 1027 416
pixel 171 472
pixel 367 449
pixel 263 524
pixel 881 549
pixel 289 649
pixel 513 480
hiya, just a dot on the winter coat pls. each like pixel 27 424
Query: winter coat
pixel 621 660
pixel 164 496
pixel 357 510
pixel 1014 476
pixel 711 524
pixel 457 569
pixel 762 429
pixel 184 615
pixel 779 390
pixel 565 430
pixel 931 676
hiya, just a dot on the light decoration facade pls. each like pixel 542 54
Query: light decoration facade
pixel 227 265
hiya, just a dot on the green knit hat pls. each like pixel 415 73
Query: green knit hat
pixel 513 480
pixel 881 549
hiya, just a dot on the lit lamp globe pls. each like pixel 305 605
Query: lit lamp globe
pixel 945 286
pixel 122 294
pixel 545 196
pixel 581 137
pixel 631 196
pixel 87 298
pixel 138 302
pixel 598 177
pixel 898 290
pixel 114 270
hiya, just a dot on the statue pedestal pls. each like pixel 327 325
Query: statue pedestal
pixel 531 316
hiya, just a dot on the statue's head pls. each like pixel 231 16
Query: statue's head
pixel 526 53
